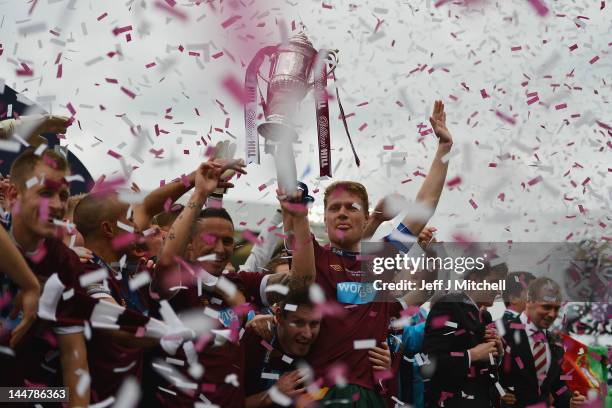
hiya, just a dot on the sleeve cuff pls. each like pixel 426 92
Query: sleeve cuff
pixel 469 359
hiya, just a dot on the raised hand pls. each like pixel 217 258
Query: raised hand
pixel 388 207
pixel 426 236
pixel 207 178
pixel 438 123
pixel 577 400
pixel 380 357
pixel 481 352
pixel 509 398
pixel 262 325
pixel 291 204
pixel 291 384
pixel 492 335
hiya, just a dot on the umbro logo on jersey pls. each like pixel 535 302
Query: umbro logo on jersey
pixel 336 268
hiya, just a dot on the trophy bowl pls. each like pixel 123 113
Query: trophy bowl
pixel 290 69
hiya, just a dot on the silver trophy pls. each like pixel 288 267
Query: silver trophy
pixel 290 70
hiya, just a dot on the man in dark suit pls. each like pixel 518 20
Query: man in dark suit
pixel 515 296
pixel 531 372
pixel 463 351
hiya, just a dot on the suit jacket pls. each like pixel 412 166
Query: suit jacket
pixel 454 382
pixel 507 318
pixel 524 380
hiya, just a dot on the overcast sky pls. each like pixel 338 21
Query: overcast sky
pixel 398 56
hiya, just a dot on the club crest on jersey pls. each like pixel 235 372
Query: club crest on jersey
pixel 336 268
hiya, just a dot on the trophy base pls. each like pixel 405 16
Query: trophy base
pixel 276 129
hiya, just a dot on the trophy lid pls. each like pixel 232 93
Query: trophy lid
pixel 301 39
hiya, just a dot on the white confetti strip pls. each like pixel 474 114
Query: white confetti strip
pixel 270 376
pixel 364 344
pixel 93 277
pixel 140 280
pixel 290 308
pixel 32 182
pixel 125 227
pixel 278 397
pixel 124 369
pixel 129 394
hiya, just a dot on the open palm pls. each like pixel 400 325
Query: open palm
pixel 438 123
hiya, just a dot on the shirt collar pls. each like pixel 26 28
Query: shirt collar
pixel 530 328
pixel 512 312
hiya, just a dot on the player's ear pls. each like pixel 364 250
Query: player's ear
pixel 107 229
pixel 12 192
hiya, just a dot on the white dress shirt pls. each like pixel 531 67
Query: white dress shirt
pixel 531 329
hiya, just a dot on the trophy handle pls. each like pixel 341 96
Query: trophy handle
pixel 267 81
pixel 333 64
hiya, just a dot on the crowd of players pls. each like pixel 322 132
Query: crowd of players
pixel 138 301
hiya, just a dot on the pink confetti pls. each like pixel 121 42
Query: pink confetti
pixel 573 47
pixel 505 118
pixel 124 240
pixel 251 237
pixel 535 180
pixel 217 55
pixel 120 30
pixel 378 376
pixel 473 204
pixel 567 377
pixel 114 154
pixel 172 11
pixel 230 21
pixel 457 354
pixel 539 7
pixel 533 100
pixel 326 6
pixel 594 60
pixel 26 71
pixel 561 106
pixel 438 322
pixel 453 182
pixel 140 332
pixel 71 109
pixel 267 345
pixel 519 362
pixel 59 71
pixel 518 48
pixel 363 126
pixel 483 93
pixel 150 65
pixel 388 147
pixel 231 84
pixel 43 209
pixel 561 390
pixel 128 92
pixel 440 3
pixel 101 16
pixel 40 253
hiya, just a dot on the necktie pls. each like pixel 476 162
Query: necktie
pixel 539 355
